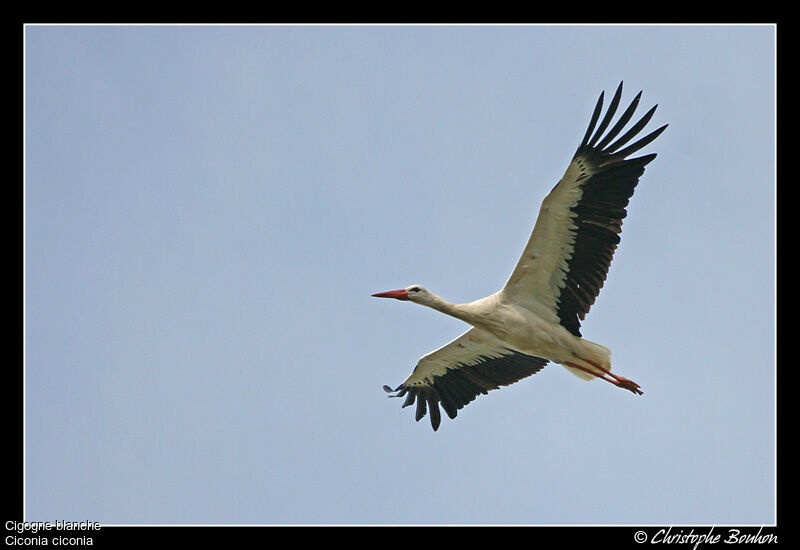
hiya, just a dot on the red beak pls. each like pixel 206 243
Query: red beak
pixel 396 294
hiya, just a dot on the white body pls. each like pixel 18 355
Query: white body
pixel 523 329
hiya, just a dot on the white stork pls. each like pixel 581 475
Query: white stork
pixel 535 317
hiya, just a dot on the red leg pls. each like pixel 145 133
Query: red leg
pixel 628 384
pixel 618 381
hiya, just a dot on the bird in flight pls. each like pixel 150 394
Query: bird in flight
pixel 536 316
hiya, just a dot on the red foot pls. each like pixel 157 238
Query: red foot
pixel 629 385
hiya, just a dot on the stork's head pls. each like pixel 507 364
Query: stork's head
pixel 414 293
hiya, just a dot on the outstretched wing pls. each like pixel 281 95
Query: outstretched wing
pixel 566 260
pixel 454 375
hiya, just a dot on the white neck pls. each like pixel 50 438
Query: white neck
pixel 469 313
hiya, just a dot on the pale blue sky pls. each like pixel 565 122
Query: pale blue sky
pixel 208 210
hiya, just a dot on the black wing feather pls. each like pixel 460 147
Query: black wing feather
pixel 612 108
pixel 623 120
pixel 593 121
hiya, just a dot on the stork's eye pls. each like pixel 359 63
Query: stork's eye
pixel 415 289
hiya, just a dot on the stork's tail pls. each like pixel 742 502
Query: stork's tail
pixel 590 355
